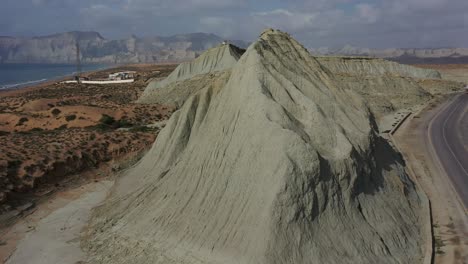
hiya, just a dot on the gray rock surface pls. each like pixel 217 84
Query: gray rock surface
pixel 387 86
pixel 281 165
pixel 212 67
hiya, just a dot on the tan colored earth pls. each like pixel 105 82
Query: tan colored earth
pixel 55 130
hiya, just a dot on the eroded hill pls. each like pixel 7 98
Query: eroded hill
pixel 281 164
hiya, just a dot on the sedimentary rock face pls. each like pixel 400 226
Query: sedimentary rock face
pixel 212 68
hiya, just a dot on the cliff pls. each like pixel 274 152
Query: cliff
pixel 61 48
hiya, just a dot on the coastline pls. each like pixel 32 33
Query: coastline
pixel 32 87
pixel 50 81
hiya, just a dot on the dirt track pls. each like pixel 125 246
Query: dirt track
pixel 51 234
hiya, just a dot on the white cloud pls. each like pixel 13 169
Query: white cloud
pixel 400 23
pixel 285 19
pixel 368 13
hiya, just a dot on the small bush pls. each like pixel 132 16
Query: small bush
pixel 56 112
pixel 439 244
pixel 124 123
pixel 140 129
pixel 22 121
pixel 13 164
pixel 70 118
pixel 62 127
pixel 102 127
pixel 107 120
pixel 36 129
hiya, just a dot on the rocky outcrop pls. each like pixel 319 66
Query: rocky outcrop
pixel 61 48
pixel 211 68
pixel 387 86
pixel 281 165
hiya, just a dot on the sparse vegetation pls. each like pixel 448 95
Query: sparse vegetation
pixel 140 129
pixel 107 120
pixel 70 118
pixel 124 123
pixel 439 243
pixel 62 127
pixel 56 111
pixel 53 141
pixel 36 129
pixel 22 121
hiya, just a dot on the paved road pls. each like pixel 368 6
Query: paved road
pixel 448 134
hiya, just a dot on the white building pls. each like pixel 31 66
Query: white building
pixel 125 75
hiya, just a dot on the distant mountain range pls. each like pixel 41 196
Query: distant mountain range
pixel 409 56
pixel 61 48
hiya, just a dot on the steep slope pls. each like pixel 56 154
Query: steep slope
pixel 58 48
pixel 386 86
pixel 189 77
pixel 282 165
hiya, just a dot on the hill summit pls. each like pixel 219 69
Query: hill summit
pixel 179 85
pixel 280 164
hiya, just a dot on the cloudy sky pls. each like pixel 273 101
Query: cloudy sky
pixel 317 23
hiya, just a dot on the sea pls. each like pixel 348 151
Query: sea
pixel 13 76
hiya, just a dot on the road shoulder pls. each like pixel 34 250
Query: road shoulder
pixel 449 218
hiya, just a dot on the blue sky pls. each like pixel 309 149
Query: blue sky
pixel 317 23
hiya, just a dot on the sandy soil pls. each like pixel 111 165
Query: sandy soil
pixel 51 133
pixel 449 217
pixel 51 234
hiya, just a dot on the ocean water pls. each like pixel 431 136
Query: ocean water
pixel 21 75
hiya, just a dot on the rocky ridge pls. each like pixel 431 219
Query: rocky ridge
pixel 212 67
pixel 387 86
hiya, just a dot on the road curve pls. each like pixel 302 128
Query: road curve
pixel 448 136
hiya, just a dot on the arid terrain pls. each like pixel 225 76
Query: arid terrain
pixel 56 130
pixel 267 145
